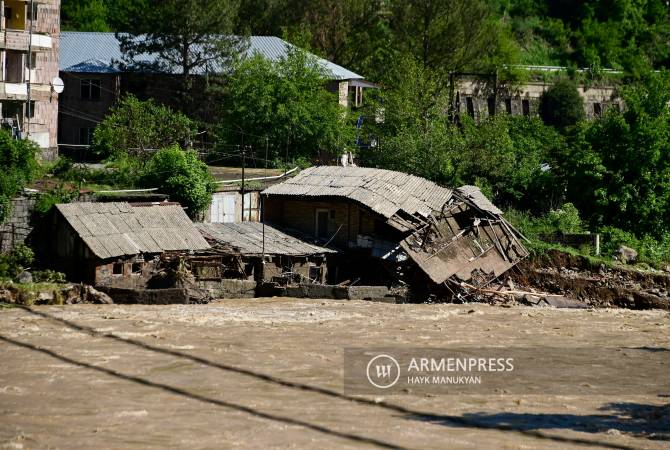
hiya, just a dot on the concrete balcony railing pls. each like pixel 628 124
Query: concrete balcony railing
pixel 19 91
pixel 20 39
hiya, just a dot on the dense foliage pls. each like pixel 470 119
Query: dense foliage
pixel 282 107
pixel 632 35
pixel 138 128
pixel 19 166
pixel 15 262
pixel 618 167
pixel 613 169
pixel 561 105
pixel 183 176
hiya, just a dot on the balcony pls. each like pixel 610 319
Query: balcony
pixel 19 91
pixel 19 40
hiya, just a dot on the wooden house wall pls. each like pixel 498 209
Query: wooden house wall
pixel 350 218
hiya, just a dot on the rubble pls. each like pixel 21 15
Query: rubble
pixel 468 240
pixel 626 254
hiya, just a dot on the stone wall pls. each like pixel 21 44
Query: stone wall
pixel 17 228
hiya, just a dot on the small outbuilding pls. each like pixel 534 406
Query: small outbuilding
pixel 116 243
pixel 261 252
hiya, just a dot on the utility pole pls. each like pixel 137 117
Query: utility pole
pixel 30 58
pixel 244 157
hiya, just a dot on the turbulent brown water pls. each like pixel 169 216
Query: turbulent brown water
pixel 260 364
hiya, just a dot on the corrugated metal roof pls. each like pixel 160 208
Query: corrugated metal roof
pixel 247 239
pixel 78 47
pixel 384 191
pixel 474 194
pixel 93 66
pixel 117 229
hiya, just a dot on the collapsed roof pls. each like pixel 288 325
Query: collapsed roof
pixel 117 229
pixel 467 239
pixel 246 238
pixel 449 233
pixel 404 200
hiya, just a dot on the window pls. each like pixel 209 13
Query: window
pixel 90 90
pixel 32 13
pixel 322 223
pixel 137 268
pixel 86 136
pixel 492 106
pixel 117 269
pixel 525 107
pixel 508 105
pixel 470 106
pixel 315 273
pixel 597 110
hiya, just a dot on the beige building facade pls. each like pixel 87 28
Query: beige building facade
pixel 29 53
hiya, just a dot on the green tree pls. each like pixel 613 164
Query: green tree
pixel 85 15
pixel 620 34
pixel 19 167
pixel 283 105
pixel 451 35
pixel 561 105
pixel 415 134
pixel 136 128
pixel 182 176
pixel 511 158
pixel 619 166
pixel 186 36
pixel 352 33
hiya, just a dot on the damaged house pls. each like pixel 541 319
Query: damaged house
pixel 254 251
pixel 117 244
pixel 396 228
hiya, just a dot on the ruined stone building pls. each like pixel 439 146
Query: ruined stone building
pixel 29 48
pixel 263 253
pixel 475 96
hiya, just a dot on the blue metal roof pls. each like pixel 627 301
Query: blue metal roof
pixel 98 53
pixel 93 66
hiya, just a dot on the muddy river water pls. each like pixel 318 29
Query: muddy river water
pixel 269 373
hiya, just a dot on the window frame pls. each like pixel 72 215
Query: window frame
pixel 90 89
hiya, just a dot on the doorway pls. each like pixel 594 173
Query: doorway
pixel 322 216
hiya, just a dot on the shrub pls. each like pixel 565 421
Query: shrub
pixel 48 276
pixel 561 105
pixel 563 220
pixel 46 200
pixel 182 176
pixel 19 167
pixel 16 261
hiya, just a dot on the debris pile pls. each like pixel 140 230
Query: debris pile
pixel 467 244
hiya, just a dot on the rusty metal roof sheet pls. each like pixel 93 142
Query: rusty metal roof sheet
pixel 247 239
pixel 116 229
pixel 384 191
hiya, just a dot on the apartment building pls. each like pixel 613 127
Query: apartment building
pixel 29 83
